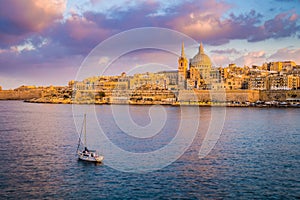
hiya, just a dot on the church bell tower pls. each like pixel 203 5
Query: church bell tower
pixel 182 69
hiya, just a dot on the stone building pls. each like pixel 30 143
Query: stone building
pixel 258 83
pixel 171 79
pixel 182 69
pixel 199 72
pixel 275 66
pixel 200 67
pixel 293 82
pixel 156 80
pixel 277 82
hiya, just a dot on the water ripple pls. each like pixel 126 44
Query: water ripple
pixel 257 156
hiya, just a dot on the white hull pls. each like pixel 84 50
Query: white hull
pixel 89 158
pixel 85 154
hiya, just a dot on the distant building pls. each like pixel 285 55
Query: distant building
pixel 25 88
pixel 275 66
pixel 182 69
pixel 288 66
pixel 195 73
pixel 258 83
pixel 71 84
pixel 199 72
pixel 293 82
pixel 234 83
pixel 277 82
pixel 200 67
pixel 156 80
pixel 171 78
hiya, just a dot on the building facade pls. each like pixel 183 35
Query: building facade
pixel 199 73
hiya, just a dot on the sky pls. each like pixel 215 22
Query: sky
pixel 46 42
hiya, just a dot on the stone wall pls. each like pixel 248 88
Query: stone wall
pixel 242 95
pixel 220 96
pixel 278 95
pixel 20 95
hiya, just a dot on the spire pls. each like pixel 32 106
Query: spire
pixel 201 49
pixel 182 50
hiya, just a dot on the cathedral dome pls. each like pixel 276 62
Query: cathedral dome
pixel 201 59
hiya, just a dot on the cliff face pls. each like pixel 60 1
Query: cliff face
pixel 20 95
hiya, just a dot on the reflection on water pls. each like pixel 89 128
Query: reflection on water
pixel 257 156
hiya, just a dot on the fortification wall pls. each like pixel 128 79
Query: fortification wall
pixel 19 95
pixel 278 95
pixel 222 96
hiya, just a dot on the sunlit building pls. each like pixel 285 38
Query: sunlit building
pixel 275 66
pixel 277 82
pixel 288 66
pixel 198 74
pixel 258 83
pixel 156 80
pixel 182 69
pixel 171 79
pixel 234 83
pixel 293 82
pixel 200 67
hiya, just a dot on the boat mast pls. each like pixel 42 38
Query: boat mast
pixel 85 130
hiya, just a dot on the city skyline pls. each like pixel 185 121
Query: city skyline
pixel 45 43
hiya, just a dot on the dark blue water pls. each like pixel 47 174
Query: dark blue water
pixel 257 156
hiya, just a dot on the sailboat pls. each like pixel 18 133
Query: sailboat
pixel 85 154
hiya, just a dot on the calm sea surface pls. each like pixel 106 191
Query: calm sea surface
pixel 256 156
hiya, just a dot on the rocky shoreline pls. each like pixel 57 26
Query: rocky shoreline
pixel 258 104
pixel 148 96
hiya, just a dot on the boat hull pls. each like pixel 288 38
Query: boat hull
pixel 97 159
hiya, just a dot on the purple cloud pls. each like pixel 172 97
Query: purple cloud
pixel 19 19
pixel 54 42
pixel 226 51
pixel 202 20
pixel 283 25
pixel 286 54
pixel 251 58
pixel 217 31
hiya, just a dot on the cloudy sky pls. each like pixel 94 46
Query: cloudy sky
pixel 45 42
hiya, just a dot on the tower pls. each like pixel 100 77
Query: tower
pixel 200 68
pixel 182 68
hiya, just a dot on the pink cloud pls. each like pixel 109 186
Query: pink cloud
pixel 79 28
pixel 20 18
pixel 215 29
pixel 201 21
pixel 77 35
pixel 220 60
pixel 251 58
pixel 226 51
pixel 286 54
